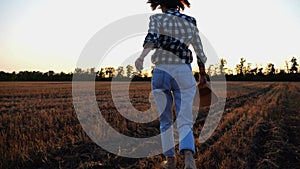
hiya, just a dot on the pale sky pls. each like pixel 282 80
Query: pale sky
pixel 47 35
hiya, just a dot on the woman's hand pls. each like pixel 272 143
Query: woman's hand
pixel 139 63
pixel 202 80
pixel 202 77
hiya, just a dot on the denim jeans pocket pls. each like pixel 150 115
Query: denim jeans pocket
pixel 185 80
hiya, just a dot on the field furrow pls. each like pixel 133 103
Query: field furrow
pixel 39 127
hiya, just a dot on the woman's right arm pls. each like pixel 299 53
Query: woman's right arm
pixel 201 58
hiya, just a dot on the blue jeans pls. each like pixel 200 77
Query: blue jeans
pixel 175 83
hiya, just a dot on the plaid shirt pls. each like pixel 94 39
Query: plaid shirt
pixel 171 33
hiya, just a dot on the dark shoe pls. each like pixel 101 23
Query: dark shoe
pixel 189 160
pixel 170 163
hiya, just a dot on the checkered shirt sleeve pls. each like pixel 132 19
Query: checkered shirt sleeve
pixel 198 47
pixel 153 32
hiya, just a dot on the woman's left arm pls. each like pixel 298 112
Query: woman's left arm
pixel 140 61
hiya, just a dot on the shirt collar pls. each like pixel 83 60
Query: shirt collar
pixel 172 11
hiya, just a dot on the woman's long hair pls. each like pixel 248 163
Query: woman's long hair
pixel 172 4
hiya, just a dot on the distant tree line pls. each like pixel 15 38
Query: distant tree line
pixel 242 71
pixel 35 76
pixel 269 73
pixel 104 74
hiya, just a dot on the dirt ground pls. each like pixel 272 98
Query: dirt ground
pixel 40 129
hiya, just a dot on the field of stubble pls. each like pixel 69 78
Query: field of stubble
pixel 39 128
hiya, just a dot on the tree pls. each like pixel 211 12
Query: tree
pixel 145 74
pixel 92 71
pixel 223 62
pixel 248 69
pixel 287 66
pixel 120 71
pixel 294 68
pixel 78 71
pixel 137 75
pixel 270 69
pixel 209 70
pixel 110 71
pixel 260 72
pixel 101 73
pixel 240 67
pixel 229 71
pixel 50 73
pixel 252 71
pixel 216 71
pixel 129 71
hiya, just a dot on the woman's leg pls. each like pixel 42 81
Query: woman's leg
pixel 184 103
pixel 166 121
pixel 184 86
pixel 164 100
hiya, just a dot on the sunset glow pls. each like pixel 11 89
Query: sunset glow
pixel 50 35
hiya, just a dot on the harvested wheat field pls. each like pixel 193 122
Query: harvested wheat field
pixel 40 129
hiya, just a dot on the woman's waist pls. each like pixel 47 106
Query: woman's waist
pixel 167 57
